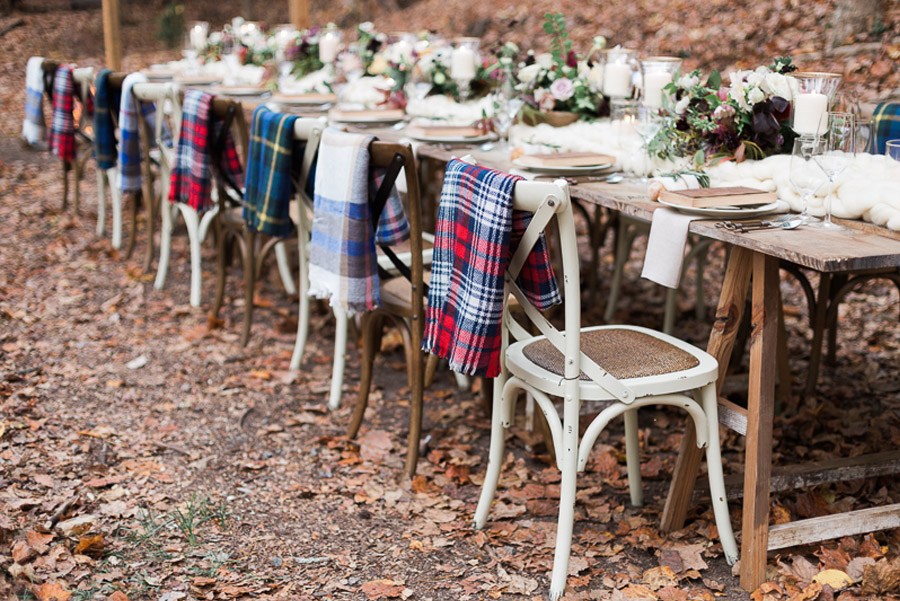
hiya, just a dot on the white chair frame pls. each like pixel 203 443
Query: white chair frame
pixel 546 201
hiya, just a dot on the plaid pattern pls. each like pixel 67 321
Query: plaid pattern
pixel 477 233
pixel 191 181
pixel 269 165
pixel 343 264
pixel 885 124
pixel 106 102
pixel 62 128
pixel 34 128
pixel 393 226
pixel 129 134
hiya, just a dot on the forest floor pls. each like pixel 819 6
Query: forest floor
pixel 146 455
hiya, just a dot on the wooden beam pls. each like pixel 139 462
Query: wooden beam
pixel 112 36
pixel 299 13
pixel 803 532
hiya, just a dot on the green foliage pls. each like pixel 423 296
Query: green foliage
pixel 560 44
pixel 171 25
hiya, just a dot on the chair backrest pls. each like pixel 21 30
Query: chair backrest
pixel 545 200
pixel 224 110
pixel 167 97
pixel 382 155
pixel 309 130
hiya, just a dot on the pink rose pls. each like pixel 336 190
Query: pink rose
pixel 545 100
pixel 562 89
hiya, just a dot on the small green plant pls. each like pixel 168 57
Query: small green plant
pixel 171 24
pixel 193 514
pixel 560 44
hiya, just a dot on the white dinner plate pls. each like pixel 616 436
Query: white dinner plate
pixel 372 117
pixel 725 212
pixel 422 137
pixel 562 170
pixel 303 99
pixel 239 90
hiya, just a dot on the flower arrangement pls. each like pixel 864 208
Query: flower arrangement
pixel 435 66
pixel 746 119
pixel 303 53
pixel 558 81
pixel 368 43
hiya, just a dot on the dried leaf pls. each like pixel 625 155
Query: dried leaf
pixel 90 545
pixel 382 589
pixel 52 591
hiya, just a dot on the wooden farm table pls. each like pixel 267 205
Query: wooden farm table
pixel 753 265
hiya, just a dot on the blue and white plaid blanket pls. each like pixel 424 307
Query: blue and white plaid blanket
pixel 34 128
pixel 129 134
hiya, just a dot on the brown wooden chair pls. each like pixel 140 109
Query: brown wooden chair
pixel 402 305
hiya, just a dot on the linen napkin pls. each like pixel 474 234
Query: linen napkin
pixel 191 181
pixel 106 102
pixel 62 128
pixel 34 128
pixel 129 133
pixel 343 265
pixel 665 246
pixel 269 169
pixel 476 235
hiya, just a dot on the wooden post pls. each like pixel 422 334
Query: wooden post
pixel 299 13
pixel 112 37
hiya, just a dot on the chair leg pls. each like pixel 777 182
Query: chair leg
pixel 699 299
pixel 372 326
pixel 249 257
pixel 430 369
pixel 303 315
pixel 633 458
pixel 495 455
pixel 221 272
pixel 150 200
pixel 340 357
pixel 192 223
pixel 284 269
pixel 671 307
pixel 65 173
pixel 135 209
pixel 101 201
pixel 165 245
pixel 567 489
pixel 625 236
pixel 463 382
pixel 116 195
pixel 416 408
pixel 716 479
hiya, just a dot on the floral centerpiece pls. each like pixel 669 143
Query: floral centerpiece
pixel 435 66
pixel 303 53
pixel 747 119
pixel 558 81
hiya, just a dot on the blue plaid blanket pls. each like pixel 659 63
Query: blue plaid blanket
pixel 885 124
pixel 269 169
pixel 476 235
pixel 106 103
pixel 34 128
pixel 343 264
pixel 129 134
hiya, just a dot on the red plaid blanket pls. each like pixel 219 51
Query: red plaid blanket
pixel 477 234
pixel 62 127
pixel 191 181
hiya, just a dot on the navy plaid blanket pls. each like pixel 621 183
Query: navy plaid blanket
pixel 269 173
pixel 885 124
pixel 476 235
pixel 106 103
pixel 62 127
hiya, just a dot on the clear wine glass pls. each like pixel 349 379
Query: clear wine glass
pixel 805 175
pixel 506 108
pixel 418 85
pixel 892 149
pixel 647 124
pixel 840 142
pixel 863 128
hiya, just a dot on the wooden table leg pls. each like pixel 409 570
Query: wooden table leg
pixel 760 413
pixel 729 313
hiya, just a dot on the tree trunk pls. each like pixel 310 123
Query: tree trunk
pixel 853 17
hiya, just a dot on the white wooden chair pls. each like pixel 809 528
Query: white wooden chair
pixel 624 367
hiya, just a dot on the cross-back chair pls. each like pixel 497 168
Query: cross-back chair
pixel 402 300
pixel 624 367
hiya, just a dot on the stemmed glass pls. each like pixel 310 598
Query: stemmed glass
pixel 892 149
pixel 647 124
pixel 419 83
pixel 506 108
pixel 805 175
pixel 840 141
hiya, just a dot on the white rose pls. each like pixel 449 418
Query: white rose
pixel 779 85
pixel 755 96
pixel 739 95
pixel 528 73
pixel 545 60
pixel 688 81
pixel 595 78
pixel 755 78
pixel 736 77
pixel 682 105
pixel 426 64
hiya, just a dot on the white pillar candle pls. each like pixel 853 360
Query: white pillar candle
pixel 617 80
pixel 810 113
pixel 328 47
pixel 462 63
pixel 654 82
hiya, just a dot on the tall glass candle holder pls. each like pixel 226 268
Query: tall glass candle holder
pixel 329 47
pixel 812 100
pixel 464 64
pixel 657 72
pixel 618 71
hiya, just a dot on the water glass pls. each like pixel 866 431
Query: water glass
pixel 840 144
pixel 805 175
pixel 892 149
